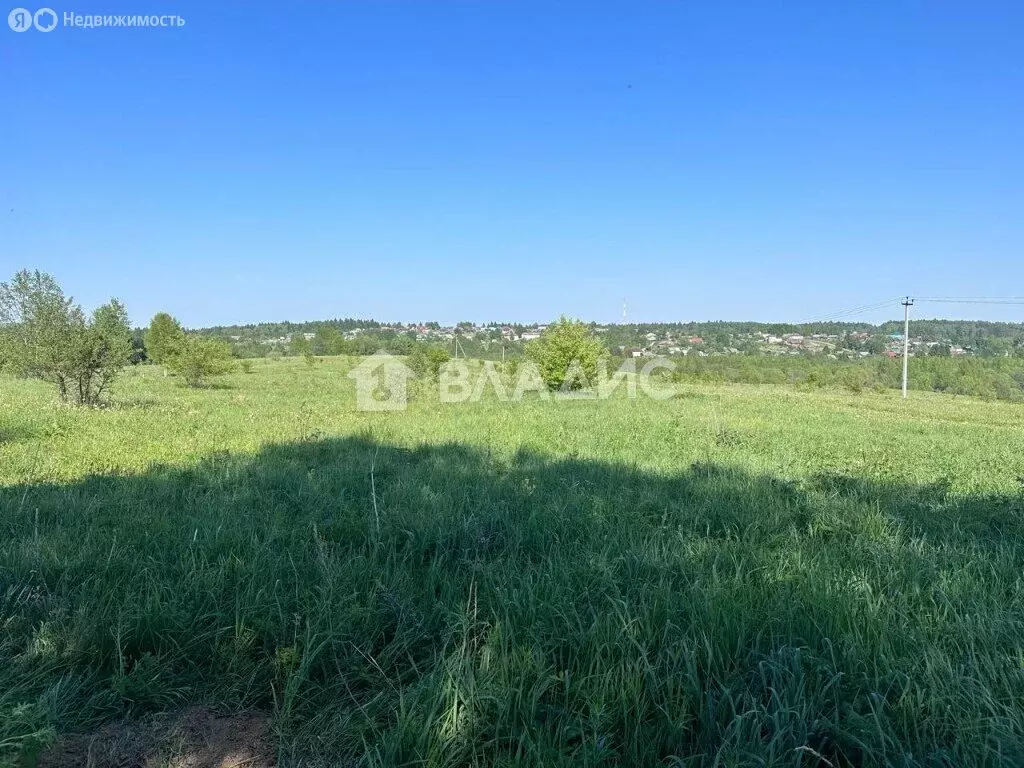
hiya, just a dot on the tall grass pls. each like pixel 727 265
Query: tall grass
pixel 734 577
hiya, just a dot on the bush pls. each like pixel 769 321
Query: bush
pixel 1006 388
pixel 45 335
pixel 567 355
pixel 855 378
pixel 511 368
pixel 427 360
pixel 163 337
pixel 199 358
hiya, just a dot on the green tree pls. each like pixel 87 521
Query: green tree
pixel 300 345
pixel 45 335
pixel 328 341
pixel 567 354
pixel 995 347
pixel 199 358
pixel 875 345
pixel 426 360
pixel 164 337
pixel 108 348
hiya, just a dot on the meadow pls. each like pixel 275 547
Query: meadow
pixel 741 575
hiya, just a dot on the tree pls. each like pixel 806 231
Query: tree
pixel 426 360
pixel 875 345
pixel 163 338
pixel 107 349
pixel 995 347
pixel 567 354
pixel 300 345
pixel 200 357
pixel 45 335
pixel 328 341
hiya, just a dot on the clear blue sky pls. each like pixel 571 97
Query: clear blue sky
pixel 516 160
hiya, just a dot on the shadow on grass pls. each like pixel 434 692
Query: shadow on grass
pixel 445 604
pixel 15 433
pixel 211 386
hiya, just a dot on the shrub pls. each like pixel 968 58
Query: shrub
pixel 855 378
pixel 427 360
pixel 199 358
pixel 511 368
pixel 45 335
pixel 163 337
pixel 567 355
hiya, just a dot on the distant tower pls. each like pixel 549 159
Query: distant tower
pixel 623 311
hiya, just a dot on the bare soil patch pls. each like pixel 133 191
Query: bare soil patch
pixel 194 738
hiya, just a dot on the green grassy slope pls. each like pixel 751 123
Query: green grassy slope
pixel 738 575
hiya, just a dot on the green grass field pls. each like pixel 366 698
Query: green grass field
pixel 737 576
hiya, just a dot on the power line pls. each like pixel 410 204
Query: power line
pixel 849 312
pixel 1012 302
pixel 852 311
pixel 969 298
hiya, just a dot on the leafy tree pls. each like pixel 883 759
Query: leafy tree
pixel 995 347
pixel 199 358
pixel 36 322
pixel 163 338
pixel 138 347
pixel 567 354
pixel 108 348
pixel 426 360
pixel 300 345
pixel 875 345
pixel 328 341
pixel 511 368
pixel 45 335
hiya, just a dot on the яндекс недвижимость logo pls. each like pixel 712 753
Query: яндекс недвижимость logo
pixel 46 20
pixel 22 19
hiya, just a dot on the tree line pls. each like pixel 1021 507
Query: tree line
pixel 44 334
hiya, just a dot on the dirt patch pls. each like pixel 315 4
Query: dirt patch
pixel 195 738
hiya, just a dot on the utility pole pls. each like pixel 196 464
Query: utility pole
pixel 907 304
pixel 623 311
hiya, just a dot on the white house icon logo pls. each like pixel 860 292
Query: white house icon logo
pixel 22 19
pixel 381 383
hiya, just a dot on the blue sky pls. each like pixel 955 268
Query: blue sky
pixel 491 160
